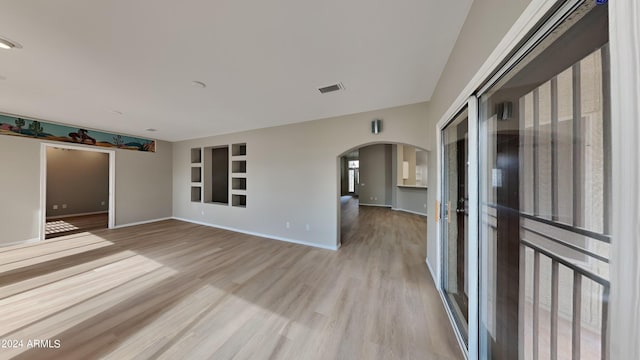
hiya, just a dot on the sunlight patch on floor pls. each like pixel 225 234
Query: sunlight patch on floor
pixel 58 226
pixel 31 306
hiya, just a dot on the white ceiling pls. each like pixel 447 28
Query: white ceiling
pixel 263 61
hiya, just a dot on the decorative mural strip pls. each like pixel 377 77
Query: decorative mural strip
pixel 16 126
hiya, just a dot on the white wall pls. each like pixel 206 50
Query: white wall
pixel 77 179
pixel 143 187
pixel 293 173
pixel 413 200
pixel 486 24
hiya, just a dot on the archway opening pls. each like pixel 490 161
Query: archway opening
pixel 380 184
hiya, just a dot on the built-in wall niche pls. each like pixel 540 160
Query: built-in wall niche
pixel 196 174
pixel 412 165
pixel 239 166
pixel 239 183
pixel 239 149
pixel 196 155
pixel 239 200
pixel 239 175
pixel 196 194
pixel 216 174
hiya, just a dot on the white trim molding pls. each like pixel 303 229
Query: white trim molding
pixel 410 211
pixel 142 222
pixel 43 181
pixel 624 320
pixel 376 205
pixel 266 236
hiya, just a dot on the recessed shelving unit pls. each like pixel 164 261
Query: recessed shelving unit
pixel 238 200
pixel 239 183
pixel 239 175
pixel 196 174
pixel 196 156
pixel 239 166
pixel 239 149
pixel 196 194
pixel 219 175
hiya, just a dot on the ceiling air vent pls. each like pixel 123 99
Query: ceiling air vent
pixel 331 88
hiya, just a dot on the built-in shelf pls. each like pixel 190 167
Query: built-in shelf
pixel 196 194
pixel 239 175
pixel 239 200
pixel 239 166
pixel 196 174
pixel 239 149
pixel 196 156
pixel 238 183
pixel 219 175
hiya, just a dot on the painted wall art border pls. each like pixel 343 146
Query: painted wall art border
pixel 16 126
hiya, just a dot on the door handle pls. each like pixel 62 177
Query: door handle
pixel 460 211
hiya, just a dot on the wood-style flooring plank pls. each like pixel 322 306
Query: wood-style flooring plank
pixel 175 290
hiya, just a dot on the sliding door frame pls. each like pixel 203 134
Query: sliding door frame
pixel 624 45
pixel 471 350
pixel 624 37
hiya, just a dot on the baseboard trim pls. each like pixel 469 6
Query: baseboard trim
pixel 23 242
pixel 433 273
pixel 78 214
pixel 142 222
pixel 377 205
pixel 409 211
pixel 266 236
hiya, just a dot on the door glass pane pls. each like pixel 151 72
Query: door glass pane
pixel 352 180
pixel 455 220
pixel 544 198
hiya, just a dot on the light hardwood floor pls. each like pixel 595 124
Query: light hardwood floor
pixel 174 290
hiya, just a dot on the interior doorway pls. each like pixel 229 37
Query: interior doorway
pixel 380 178
pixel 77 190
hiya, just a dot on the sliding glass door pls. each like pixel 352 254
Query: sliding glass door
pixel 455 228
pixel 545 195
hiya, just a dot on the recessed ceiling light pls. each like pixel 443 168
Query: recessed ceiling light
pixel 8 45
pixel 152 129
pixel 199 84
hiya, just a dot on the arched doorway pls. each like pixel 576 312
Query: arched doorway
pixel 385 175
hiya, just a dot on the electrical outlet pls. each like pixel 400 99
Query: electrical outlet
pixel 102 203
pixel 55 207
pixel 287 225
pixel 375 198
pixel 308 227
pixel 64 206
pixel 201 212
pixel 425 206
